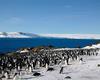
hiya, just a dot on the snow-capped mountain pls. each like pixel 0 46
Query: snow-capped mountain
pixel 74 36
pixel 17 35
pixel 31 35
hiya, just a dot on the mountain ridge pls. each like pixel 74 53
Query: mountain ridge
pixel 32 35
pixel 17 35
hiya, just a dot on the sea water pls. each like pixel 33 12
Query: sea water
pixel 12 44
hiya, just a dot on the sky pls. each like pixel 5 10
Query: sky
pixel 50 16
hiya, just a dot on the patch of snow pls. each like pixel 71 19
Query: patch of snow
pixel 93 46
pixel 24 51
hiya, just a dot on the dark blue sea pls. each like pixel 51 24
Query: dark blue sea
pixel 13 44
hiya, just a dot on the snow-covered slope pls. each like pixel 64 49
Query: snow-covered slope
pixel 76 36
pixel 93 46
pixel 86 70
pixel 17 35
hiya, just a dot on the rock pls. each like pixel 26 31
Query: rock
pixel 36 74
pixel 3 76
pixel 98 65
pixel 50 69
pixel 68 77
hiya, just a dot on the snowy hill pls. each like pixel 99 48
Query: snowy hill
pixel 17 35
pixel 31 35
pixel 93 46
pixel 74 36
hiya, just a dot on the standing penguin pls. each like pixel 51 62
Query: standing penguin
pixel 81 60
pixel 38 64
pixel 30 69
pixel 6 74
pixel 61 70
pixel 65 62
pixel 15 77
pixel 67 59
pixel 18 68
pixel 46 66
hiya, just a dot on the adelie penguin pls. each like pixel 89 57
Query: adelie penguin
pixel 46 66
pixel 61 70
pixel 15 77
pixel 6 74
pixel 81 60
pixel 30 69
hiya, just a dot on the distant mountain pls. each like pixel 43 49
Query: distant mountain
pixel 74 36
pixel 31 35
pixel 11 41
pixel 17 35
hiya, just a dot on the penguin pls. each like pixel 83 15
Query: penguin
pixel 18 68
pixel 61 70
pixel 46 66
pixel 15 77
pixel 81 60
pixel 30 69
pixel 38 64
pixel 65 62
pixel 6 74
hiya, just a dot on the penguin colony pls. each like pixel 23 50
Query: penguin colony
pixel 44 58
